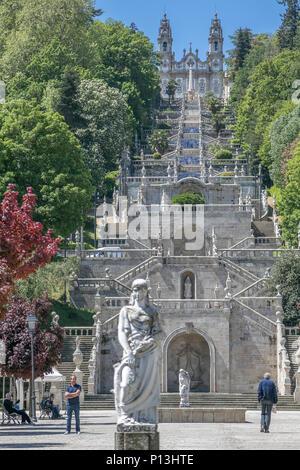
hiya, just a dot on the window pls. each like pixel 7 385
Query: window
pixel 165 47
pixel 202 86
pixel 216 46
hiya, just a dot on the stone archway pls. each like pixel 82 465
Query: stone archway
pixel 194 352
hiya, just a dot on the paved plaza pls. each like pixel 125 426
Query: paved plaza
pixel 98 429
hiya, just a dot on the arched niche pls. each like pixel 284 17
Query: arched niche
pixel 193 350
pixel 187 285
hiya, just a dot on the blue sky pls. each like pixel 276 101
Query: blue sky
pixel 191 19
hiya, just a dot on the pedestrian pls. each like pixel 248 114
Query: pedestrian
pixel 72 394
pixel 267 397
pixel 49 403
pixel 10 408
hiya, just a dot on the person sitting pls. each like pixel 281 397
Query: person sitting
pixel 49 403
pixel 9 406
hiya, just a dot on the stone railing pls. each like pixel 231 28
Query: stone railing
pixel 240 271
pixel 173 305
pixel 262 304
pixel 147 180
pixel 292 330
pixel 137 270
pixel 102 284
pixel 261 320
pixel 253 290
pixel 255 253
pixel 112 254
pixel 79 330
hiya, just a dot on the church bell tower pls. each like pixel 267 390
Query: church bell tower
pixel 165 43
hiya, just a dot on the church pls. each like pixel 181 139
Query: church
pixel 207 74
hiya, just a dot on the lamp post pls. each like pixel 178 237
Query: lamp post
pixel 31 324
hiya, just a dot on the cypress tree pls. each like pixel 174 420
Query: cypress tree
pixel 290 22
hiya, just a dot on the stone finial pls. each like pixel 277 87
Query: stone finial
pixel 243 172
pixel 158 291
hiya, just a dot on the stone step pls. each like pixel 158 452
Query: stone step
pixel 248 401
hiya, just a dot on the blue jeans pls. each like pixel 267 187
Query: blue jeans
pixel 70 408
pixel 266 411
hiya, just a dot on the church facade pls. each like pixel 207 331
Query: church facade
pixel 207 74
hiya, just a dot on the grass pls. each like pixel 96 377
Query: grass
pixel 72 316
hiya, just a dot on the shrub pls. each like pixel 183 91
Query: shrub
pixel 224 155
pixel 188 198
pixel 157 156
pixel 227 173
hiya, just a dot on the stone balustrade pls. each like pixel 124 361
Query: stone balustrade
pixel 136 270
pixel 79 330
pixel 292 330
pixel 255 253
pixel 103 284
pixel 147 180
pixel 174 305
pixel 253 290
pixel 112 254
pixel 262 304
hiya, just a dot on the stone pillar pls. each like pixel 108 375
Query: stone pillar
pixel 297 376
pixel 137 437
pixel 77 359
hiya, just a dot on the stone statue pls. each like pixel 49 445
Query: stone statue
pixel 136 377
pixel 184 388
pixel 188 294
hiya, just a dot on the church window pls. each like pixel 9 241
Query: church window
pixel 165 47
pixel 216 45
pixel 202 86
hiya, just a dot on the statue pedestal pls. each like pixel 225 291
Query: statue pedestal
pixel 137 437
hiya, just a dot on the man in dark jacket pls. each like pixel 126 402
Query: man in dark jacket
pixel 9 406
pixel 267 397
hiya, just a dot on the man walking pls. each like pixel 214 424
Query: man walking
pixel 72 394
pixel 267 397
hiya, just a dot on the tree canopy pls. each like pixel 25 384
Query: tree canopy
pixel 38 149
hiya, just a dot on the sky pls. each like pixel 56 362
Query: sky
pixel 191 19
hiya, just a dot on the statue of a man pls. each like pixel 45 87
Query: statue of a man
pixel 136 378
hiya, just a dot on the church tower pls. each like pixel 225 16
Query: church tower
pixel 165 43
pixel 215 56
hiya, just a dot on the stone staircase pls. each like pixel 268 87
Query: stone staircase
pixel 197 400
pixel 67 366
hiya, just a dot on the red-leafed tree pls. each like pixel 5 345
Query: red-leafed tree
pixel 23 247
pixel 48 339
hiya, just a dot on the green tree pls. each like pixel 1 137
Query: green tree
pixel 126 61
pixel 171 89
pixel 242 40
pixel 159 141
pixel 289 201
pixel 286 274
pixel 102 133
pixel 37 149
pixel 270 87
pixel 290 22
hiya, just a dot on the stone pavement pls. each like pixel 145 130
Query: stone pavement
pixel 98 429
